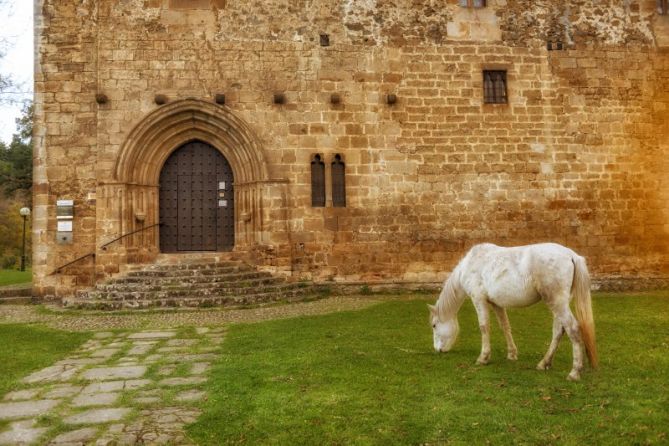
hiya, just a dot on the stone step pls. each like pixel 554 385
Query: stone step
pixel 21 290
pixel 182 293
pixel 194 278
pixel 199 271
pixel 16 300
pixel 125 287
pixel 191 280
pixel 297 294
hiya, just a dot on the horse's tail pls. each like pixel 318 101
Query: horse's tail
pixel 581 291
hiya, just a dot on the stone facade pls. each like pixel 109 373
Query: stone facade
pixel 579 155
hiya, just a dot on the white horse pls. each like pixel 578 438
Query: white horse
pixel 518 277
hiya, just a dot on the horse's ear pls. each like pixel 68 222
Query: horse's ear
pixel 432 308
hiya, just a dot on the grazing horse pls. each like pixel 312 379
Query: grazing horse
pixel 517 277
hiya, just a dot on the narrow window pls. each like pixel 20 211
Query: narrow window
pixel 317 181
pixel 472 3
pixel 494 87
pixel 663 7
pixel 338 182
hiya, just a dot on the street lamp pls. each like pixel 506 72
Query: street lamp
pixel 25 212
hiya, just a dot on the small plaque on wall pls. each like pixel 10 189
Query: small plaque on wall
pixel 65 226
pixel 221 185
pixel 222 203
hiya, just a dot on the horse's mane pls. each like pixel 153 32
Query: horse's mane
pixel 449 301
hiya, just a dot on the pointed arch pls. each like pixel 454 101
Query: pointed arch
pixel 171 126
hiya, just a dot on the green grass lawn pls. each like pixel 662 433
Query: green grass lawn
pixel 372 377
pixel 12 277
pixel 27 348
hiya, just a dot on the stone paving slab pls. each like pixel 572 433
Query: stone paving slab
pixel 25 409
pixel 183 381
pixel 63 391
pixel 22 395
pixel 98 416
pixel 53 373
pixel 108 373
pixel 95 399
pixel 153 335
pixel 79 436
pixel 100 411
pixel 21 433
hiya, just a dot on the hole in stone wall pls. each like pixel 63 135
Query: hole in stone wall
pixel 325 40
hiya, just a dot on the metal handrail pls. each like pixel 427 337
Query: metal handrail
pixel 104 247
pixel 57 270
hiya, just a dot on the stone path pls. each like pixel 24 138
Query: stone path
pixel 128 388
pixel 168 319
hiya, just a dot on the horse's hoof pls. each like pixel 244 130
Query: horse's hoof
pixel 512 356
pixel 543 366
pixel 482 361
pixel 574 376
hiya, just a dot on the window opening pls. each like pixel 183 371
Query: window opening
pixel 317 181
pixel 338 182
pixel 494 87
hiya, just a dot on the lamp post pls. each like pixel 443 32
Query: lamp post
pixel 25 212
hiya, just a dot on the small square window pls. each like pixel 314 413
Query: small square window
pixel 494 87
pixel 472 3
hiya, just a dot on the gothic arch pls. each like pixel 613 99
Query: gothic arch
pixel 152 141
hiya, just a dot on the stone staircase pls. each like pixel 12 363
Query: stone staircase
pixel 192 281
pixel 16 294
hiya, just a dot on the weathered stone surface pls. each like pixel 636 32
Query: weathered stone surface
pixel 181 342
pixel 26 409
pixel 22 395
pixel 190 395
pixel 132 384
pixel 21 433
pixel 97 416
pixel 182 381
pixel 53 373
pixel 79 436
pixel 152 335
pixel 199 368
pixel 104 387
pixel 63 391
pixel 95 399
pixel 105 353
pixel 140 349
pixel 111 373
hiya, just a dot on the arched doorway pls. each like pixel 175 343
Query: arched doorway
pixel 196 200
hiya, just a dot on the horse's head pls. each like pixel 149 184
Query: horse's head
pixel 445 333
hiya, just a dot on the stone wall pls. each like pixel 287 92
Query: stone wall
pixel 578 155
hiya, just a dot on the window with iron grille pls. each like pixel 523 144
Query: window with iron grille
pixel 338 182
pixel 494 87
pixel 317 181
pixel 663 7
pixel 472 3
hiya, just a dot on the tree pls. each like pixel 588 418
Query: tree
pixel 16 165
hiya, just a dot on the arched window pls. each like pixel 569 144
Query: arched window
pixel 317 181
pixel 494 87
pixel 338 182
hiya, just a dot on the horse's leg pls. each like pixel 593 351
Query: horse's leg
pixel 484 324
pixel 547 360
pixel 570 325
pixel 503 319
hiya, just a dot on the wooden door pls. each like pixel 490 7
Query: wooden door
pixel 196 200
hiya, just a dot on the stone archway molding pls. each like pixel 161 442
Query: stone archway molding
pixel 169 127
